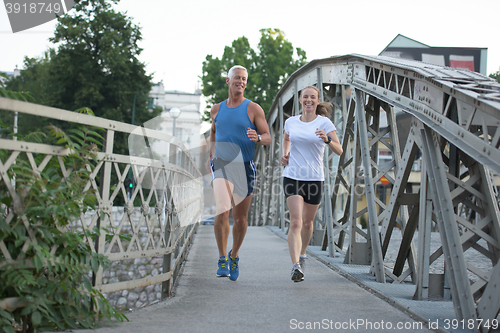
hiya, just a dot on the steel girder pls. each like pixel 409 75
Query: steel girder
pixel 455 127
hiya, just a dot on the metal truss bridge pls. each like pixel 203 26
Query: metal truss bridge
pixel 431 132
pixel 445 120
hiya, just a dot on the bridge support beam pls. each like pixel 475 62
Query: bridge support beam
pixel 373 230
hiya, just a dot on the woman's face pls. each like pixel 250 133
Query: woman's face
pixel 309 99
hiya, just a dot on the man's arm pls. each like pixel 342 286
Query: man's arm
pixel 259 120
pixel 211 142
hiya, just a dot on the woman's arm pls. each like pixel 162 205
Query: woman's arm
pixel 286 150
pixel 334 144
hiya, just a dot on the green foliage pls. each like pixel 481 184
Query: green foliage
pixel 496 76
pixel 268 69
pixel 362 221
pixel 12 94
pixel 34 79
pixel 95 65
pixel 46 261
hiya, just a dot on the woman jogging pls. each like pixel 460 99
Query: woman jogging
pixel 303 149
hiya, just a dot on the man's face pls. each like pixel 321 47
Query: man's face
pixel 238 82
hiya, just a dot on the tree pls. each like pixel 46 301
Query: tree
pixel 33 80
pixel 496 76
pixel 95 65
pixel 276 64
pixel 267 69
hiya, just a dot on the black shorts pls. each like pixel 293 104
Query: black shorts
pixel 241 174
pixel 310 190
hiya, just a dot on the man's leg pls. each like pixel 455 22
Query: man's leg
pixel 240 216
pixel 223 193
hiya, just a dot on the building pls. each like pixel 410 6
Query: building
pixel 473 59
pixel 188 123
pixel 10 75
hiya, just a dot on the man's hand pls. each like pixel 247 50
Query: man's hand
pixel 207 165
pixel 252 135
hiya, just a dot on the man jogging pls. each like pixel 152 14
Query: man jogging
pixel 237 124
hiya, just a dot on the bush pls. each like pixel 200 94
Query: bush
pixel 46 263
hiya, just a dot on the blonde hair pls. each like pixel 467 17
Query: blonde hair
pixel 323 108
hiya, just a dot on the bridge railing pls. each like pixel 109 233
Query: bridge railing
pixel 449 117
pixel 158 217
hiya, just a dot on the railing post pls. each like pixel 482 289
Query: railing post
pixel 104 206
pixel 167 259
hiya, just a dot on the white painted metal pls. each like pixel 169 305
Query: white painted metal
pixel 173 186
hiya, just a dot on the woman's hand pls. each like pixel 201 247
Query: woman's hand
pixel 284 159
pixel 322 134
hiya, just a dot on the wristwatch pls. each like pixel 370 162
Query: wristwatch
pixel 329 140
pixel 260 137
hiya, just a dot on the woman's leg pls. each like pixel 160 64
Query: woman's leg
pixel 295 205
pixel 308 215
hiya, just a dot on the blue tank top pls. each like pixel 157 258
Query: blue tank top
pixel 231 125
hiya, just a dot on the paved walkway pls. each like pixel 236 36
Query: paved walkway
pixel 264 299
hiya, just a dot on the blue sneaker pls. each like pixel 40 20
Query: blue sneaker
pixel 223 267
pixel 234 271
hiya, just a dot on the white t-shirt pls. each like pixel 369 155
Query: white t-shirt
pixel 306 148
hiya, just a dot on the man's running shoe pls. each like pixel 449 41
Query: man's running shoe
pixel 302 262
pixel 297 274
pixel 234 271
pixel 223 267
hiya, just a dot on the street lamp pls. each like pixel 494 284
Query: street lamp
pixel 174 113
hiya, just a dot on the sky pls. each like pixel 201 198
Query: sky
pixel 179 34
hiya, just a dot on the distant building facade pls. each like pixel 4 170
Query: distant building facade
pixel 473 59
pixel 188 123
pixel 10 75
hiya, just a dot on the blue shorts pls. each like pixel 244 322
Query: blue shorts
pixel 241 174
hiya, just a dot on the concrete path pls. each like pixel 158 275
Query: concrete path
pixel 264 299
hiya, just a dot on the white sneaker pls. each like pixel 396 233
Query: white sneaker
pixel 302 263
pixel 297 274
